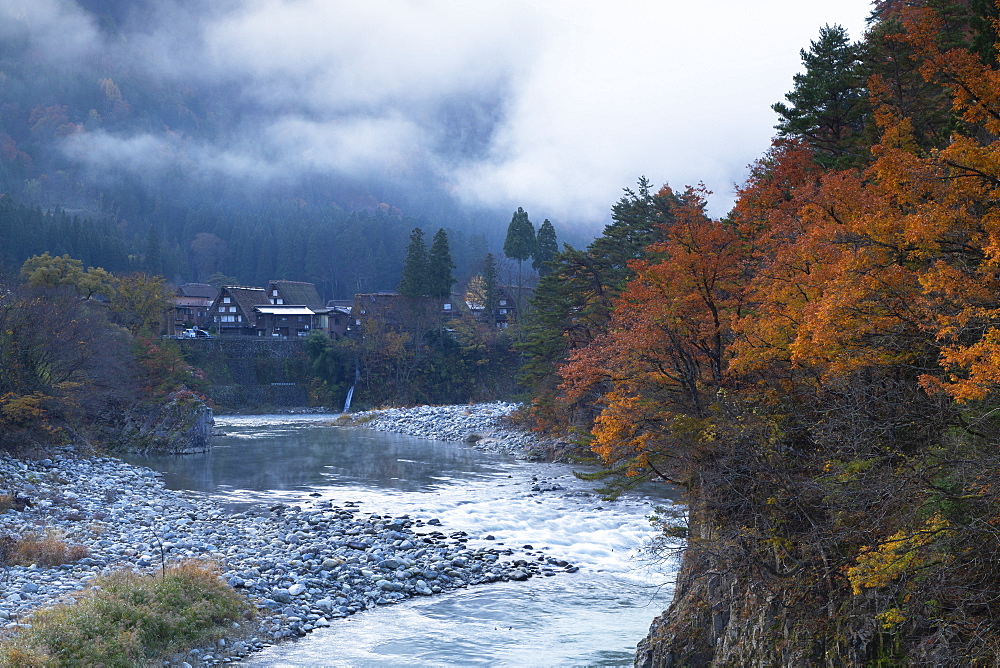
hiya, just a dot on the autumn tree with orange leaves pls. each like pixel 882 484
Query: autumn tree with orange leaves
pixel 664 357
pixel 819 372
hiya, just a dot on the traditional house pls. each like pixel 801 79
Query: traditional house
pixel 192 302
pixel 394 311
pixel 232 313
pixel 286 321
pixel 505 308
pixel 339 316
pixel 299 293
pixel 284 309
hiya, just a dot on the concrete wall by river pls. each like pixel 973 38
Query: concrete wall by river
pixel 248 372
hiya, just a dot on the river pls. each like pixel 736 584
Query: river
pixel 593 617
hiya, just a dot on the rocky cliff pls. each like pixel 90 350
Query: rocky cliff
pixel 723 615
pixel 181 425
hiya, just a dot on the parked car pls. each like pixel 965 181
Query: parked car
pixel 195 333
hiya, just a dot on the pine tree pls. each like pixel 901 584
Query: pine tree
pixel 414 280
pixel 439 276
pixel 828 100
pixel 546 247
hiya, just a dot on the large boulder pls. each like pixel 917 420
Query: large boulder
pixel 181 425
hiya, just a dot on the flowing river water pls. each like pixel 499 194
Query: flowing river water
pixel 593 617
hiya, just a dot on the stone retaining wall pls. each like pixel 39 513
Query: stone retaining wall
pixel 249 372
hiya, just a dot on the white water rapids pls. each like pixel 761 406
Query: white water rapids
pixel 592 617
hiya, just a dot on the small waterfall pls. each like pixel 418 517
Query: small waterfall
pixel 350 392
pixel 347 403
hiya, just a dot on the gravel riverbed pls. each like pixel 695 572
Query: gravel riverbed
pixel 303 566
pixel 483 426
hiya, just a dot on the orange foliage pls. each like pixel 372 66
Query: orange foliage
pixel 664 354
pixel 893 266
pixel 817 276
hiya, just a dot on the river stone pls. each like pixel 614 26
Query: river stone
pixel 326 574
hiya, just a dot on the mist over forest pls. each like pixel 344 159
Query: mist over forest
pixel 183 138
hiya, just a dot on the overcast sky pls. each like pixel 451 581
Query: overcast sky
pixel 553 105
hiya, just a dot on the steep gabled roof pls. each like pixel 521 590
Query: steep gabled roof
pixel 246 298
pixel 202 290
pixel 297 292
pixel 340 303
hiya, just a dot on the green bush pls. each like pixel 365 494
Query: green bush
pixel 129 619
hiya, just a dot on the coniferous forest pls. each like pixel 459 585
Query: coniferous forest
pixel 125 166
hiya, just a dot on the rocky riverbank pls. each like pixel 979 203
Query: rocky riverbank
pixel 304 566
pixel 485 426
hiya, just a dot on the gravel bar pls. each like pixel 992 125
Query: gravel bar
pixel 484 426
pixel 303 566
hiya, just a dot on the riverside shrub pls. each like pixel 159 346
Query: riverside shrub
pixel 130 619
pixel 48 549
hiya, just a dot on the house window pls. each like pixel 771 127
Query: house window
pixel 447 307
pixel 225 300
pixel 357 322
pixel 503 302
pixel 274 293
pixel 279 300
pixel 503 311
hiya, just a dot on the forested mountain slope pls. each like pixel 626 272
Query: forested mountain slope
pixel 199 171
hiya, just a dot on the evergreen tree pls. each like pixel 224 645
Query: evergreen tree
pixel 439 276
pixel 519 245
pixel 153 261
pixel 828 100
pixel 491 284
pixel 546 248
pixel 414 280
pixel 520 242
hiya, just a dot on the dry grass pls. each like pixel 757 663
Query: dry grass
pixel 354 419
pixel 48 549
pixel 130 619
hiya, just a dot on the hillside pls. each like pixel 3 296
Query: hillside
pixel 818 371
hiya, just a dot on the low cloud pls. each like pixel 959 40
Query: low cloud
pixel 553 106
